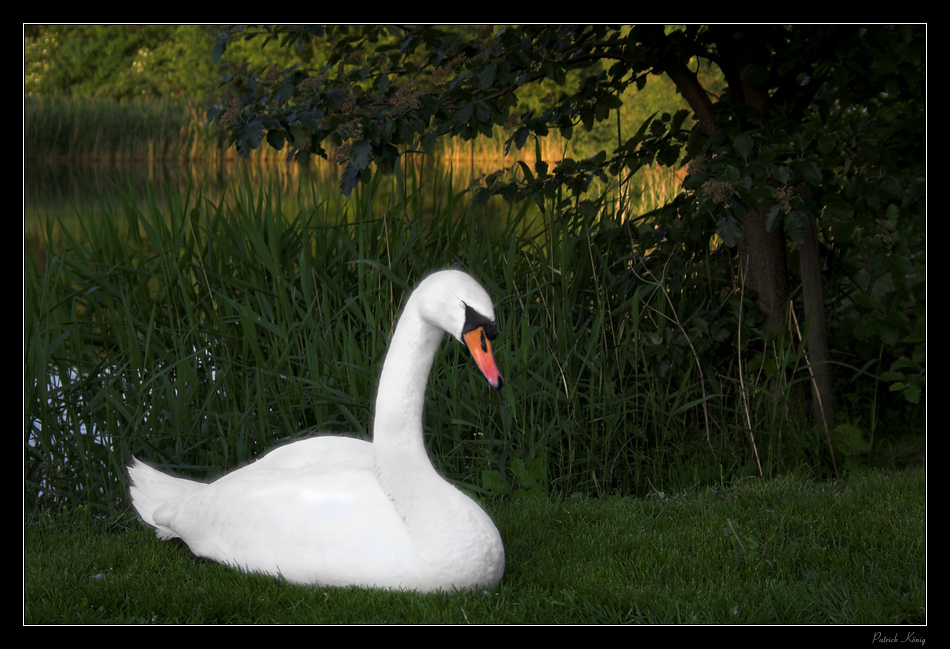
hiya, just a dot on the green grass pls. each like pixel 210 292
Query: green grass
pixel 790 550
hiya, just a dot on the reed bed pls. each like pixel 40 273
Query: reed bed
pixel 198 334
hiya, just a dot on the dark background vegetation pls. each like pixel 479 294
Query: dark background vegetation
pixel 781 293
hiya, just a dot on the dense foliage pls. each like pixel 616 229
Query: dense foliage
pixel 126 62
pixel 805 154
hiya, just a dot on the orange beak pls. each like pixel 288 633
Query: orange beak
pixel 478 343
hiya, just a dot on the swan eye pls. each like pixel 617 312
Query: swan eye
pixel 475 320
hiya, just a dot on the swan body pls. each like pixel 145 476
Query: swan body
pixel 338 511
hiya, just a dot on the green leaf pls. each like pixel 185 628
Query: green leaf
pixel 743 145
pixel 285 92
pixel 464 113
pixel 219 48
pixel 361 155
pixel 730 231
pixel 349 179
pixel 276 139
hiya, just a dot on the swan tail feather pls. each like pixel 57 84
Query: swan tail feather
pixel 150 488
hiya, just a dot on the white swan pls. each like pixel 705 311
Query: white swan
pixel 337 511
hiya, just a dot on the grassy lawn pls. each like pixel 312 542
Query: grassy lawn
pixel 787 550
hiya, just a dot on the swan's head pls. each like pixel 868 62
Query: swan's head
pixel 454 301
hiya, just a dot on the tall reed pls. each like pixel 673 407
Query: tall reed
pixel 199 334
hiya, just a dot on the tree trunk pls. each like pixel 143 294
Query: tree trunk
pixel 764 268
pixel 814 297
pixel 762 254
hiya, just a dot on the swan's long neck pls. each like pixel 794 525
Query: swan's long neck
pixel 397 429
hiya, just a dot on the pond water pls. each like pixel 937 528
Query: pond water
pixel 70 191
